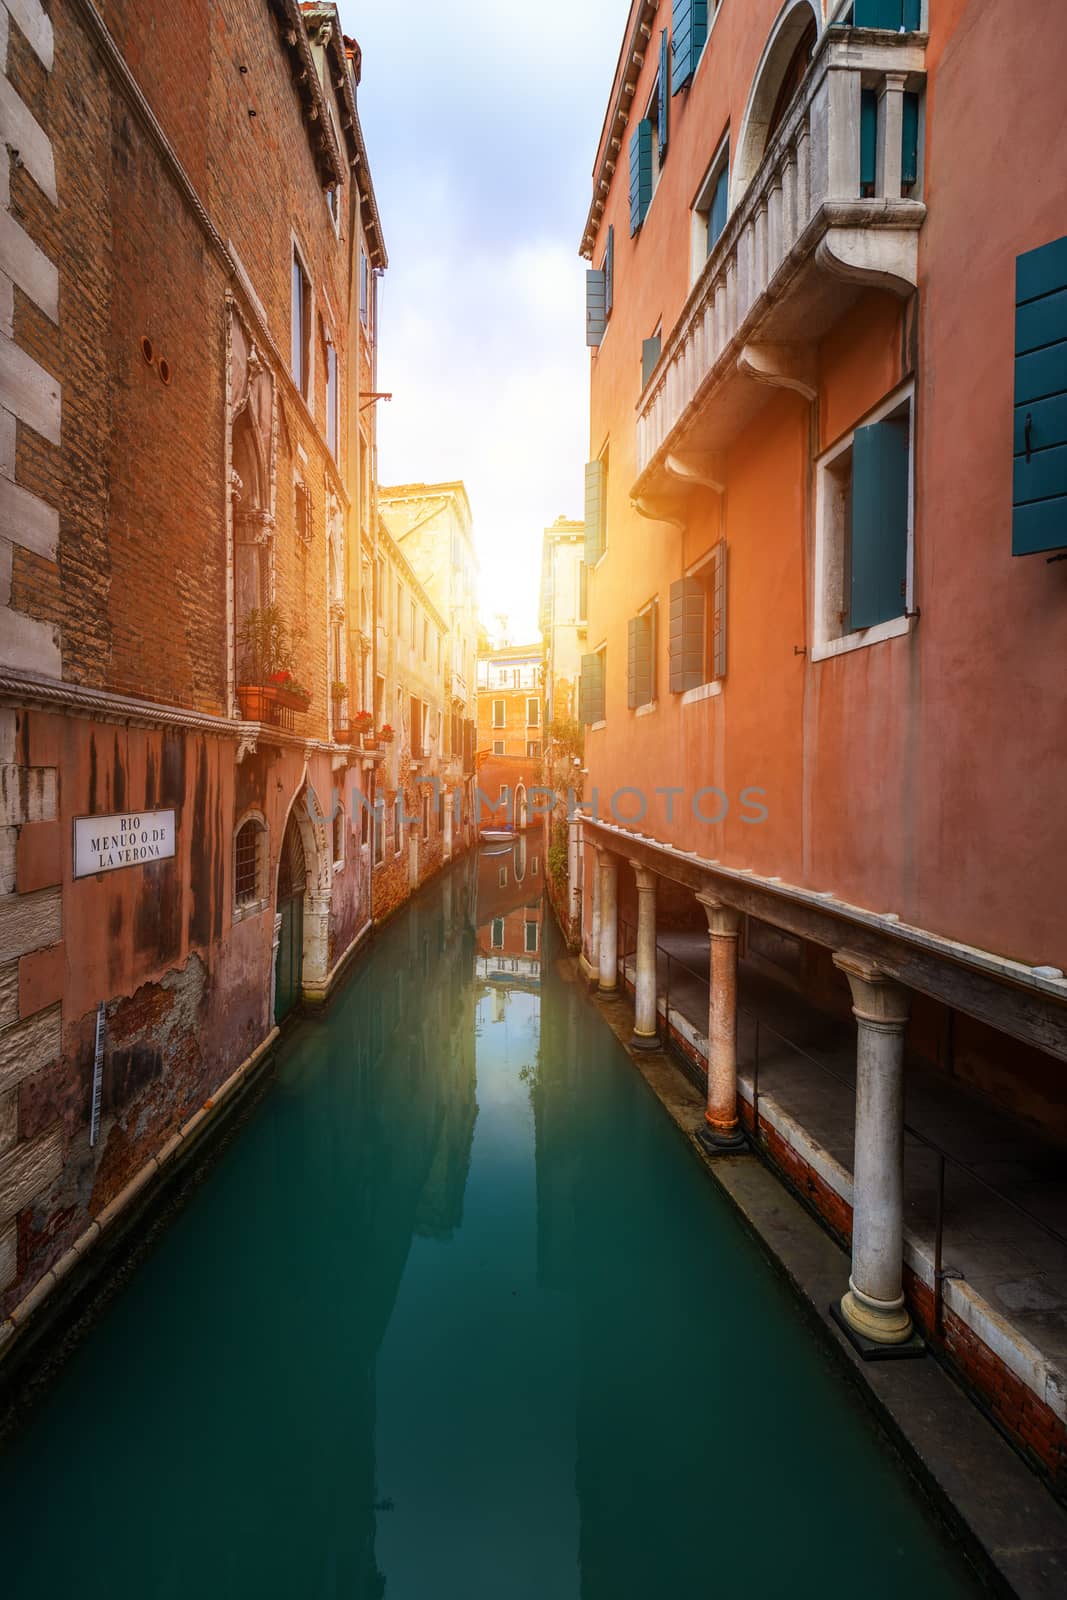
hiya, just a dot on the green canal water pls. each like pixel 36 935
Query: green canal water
pixel 455 1316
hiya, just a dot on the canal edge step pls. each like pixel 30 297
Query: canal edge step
pixel 1011 1526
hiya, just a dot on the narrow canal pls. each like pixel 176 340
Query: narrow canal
pixel 456 1316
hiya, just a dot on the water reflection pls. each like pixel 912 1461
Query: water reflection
pixel 442 1323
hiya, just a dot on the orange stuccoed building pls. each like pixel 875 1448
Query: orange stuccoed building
pixel 826 506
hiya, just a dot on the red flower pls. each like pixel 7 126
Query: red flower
pixel 280 677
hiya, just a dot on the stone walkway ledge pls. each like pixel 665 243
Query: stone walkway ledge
pixel 1011 1526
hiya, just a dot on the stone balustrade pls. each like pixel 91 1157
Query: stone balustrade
pixel 801 240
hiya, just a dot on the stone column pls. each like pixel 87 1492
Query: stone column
pixel 609 921
pixel 722 1130
pixel 889 154
pixel 874 1304
pixel 644 1036
pixel 594 918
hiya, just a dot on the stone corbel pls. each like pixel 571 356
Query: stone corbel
pixel 783 366
pixel 705 467
pixel 884 258
pixel 245 747
pixel 656 510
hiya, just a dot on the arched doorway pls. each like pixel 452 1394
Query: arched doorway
pixel 520 806
pixel 292 882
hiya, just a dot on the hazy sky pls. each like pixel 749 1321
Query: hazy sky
pixel 481 119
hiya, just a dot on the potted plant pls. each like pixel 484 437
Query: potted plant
pixel 386 734
pixel 363 721
pixel 267 682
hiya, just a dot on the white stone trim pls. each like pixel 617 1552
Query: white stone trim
pixel 36 27
pixel 828 567
pixel 703 691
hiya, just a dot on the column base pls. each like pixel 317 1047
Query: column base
pixel 722 1141
pixel 607 988
pixel 871 1349
pixel 645 1041
pixel 880 1323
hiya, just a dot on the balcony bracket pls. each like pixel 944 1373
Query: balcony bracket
pixel 657 510
pixel 245 747
pixel 884 258
pixel 707 468
pixel 783 366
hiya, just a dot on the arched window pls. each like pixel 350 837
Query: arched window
pixel 250 865
pixel 793 76
pixel 779 76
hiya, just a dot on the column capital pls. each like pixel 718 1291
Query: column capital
pixel 644 876
pixel 723 921
pixel 876 997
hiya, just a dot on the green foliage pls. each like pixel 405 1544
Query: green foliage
pixel 266 644
pixel 557 855
pixel 567 735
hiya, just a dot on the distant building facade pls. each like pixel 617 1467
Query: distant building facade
pixel 562 616
pixel 431 524
pixel 510 732
pixel 417 821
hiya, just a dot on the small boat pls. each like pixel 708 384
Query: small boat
pixel 494 841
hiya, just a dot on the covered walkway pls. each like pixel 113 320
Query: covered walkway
pixel 997 1182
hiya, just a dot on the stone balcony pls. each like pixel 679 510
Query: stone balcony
pixel 799 247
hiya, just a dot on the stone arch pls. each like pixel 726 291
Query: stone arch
pixel 310 821
pixel 793 28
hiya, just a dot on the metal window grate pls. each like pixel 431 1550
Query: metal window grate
pixel 246 861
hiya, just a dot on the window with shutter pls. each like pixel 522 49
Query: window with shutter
pixel 895 14
pixel 686 636
pixel 663 97
pixel 868 141
pixel 640 173
pixel 591 687
pixel 651 349
pixel 595 314
pixel 1039 499
pixel 909 138
pixel 719 209
pixel 609 272
pixel 640 659
pixel 877 558
pixel 596 473
pixel 688 40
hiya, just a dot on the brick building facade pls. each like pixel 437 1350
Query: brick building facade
pixel 186 476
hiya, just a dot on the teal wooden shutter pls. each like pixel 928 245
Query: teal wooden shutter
pixel 688 40
pixel 868 140
pixel 651 349
pixel 878 554
pixel 719 210
pixel 640 173
pixel 663 98
pixel 595 311
pixel 685 639
pixel 591 688
pixel 1039 500
pixel 909 154
pixel 594 511
pixel 639 660
pixel 718 617
pixel 609 272
pixel 895 14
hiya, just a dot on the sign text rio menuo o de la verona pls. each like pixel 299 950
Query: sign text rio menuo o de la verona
pixel 101 844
